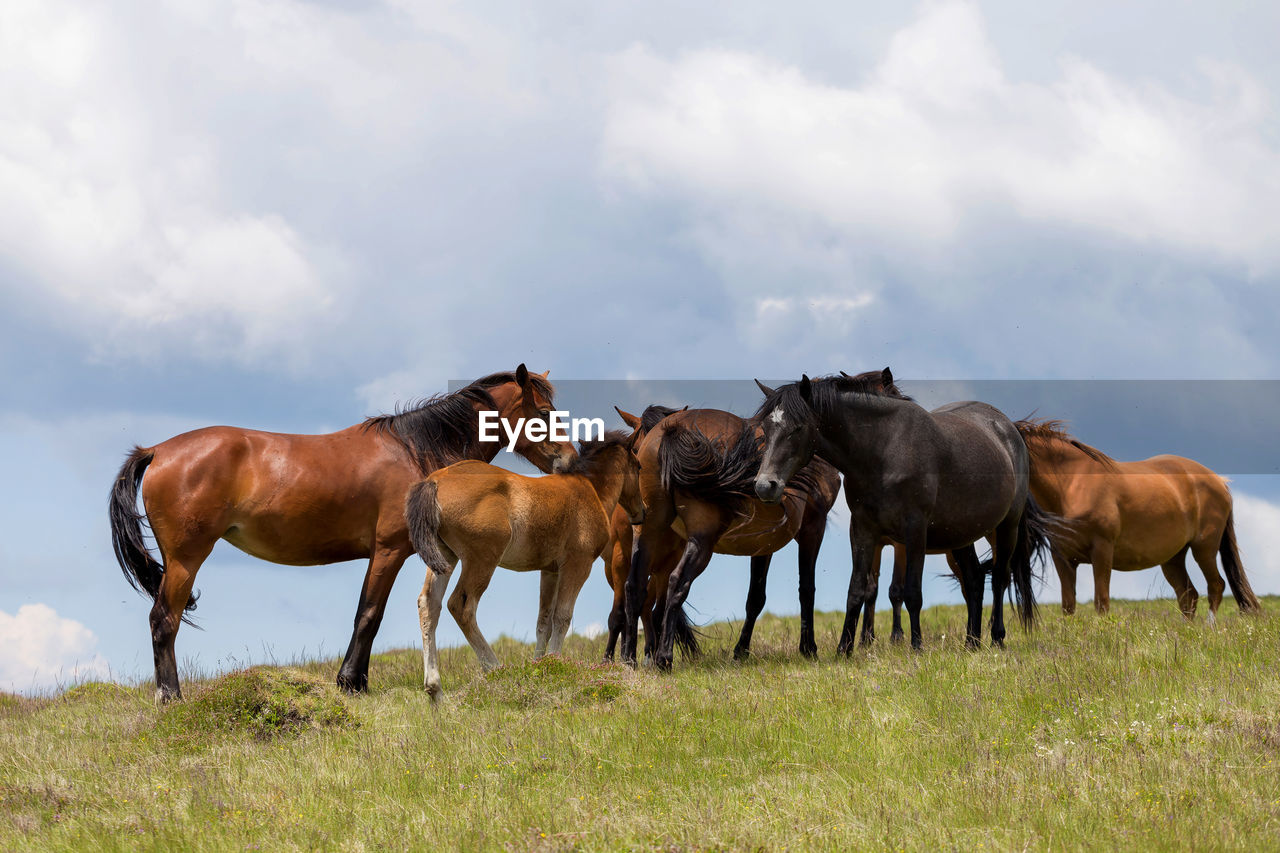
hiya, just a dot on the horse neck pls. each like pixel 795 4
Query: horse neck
pixel 872 415
pixel 605 476
pixel 1053 461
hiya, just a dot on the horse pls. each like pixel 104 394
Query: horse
pixel 489 517
pixel 697 467
pixel 1129 516
pixel 303 500
pixel 617 562
pixel 931 480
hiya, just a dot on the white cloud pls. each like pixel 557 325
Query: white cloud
pixel 1257 529
pixel 42 649
pixel 595 629
pixel 935 136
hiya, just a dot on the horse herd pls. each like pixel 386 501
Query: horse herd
pixel 656 502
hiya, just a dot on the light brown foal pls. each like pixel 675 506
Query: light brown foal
pixel 487 517
pixel 1127 516
pixel 303 500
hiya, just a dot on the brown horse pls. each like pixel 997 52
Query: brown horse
pixel 617 561
pixel 303 500
pixel 697 470
pixel 1134 515
pixel 489 517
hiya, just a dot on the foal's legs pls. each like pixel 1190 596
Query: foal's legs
pixel 872 595
pixel 472 582
pixel 570 580
pixel 1175 572
pixel 617 564
pixel 548 585
pixel 1206 557
pixel 755 604
pixel 1067 579
pixel 1103 551
pixel 429 602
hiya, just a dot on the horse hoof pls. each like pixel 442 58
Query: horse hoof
pixel 164 696
pixel 809 652
pixel 434 693
pixel 353 686
pixel 662 664
pixel 897 637
pixel 741 653
pixel 973 644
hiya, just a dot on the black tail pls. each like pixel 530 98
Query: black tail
pixel 686 635
pixel 422 512
pixel 694 463
pixel 1035 531
pixel 141 570
pixel 1234 569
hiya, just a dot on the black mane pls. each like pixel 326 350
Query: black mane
pixel 654 414
pixel 825 393
pixel 444 429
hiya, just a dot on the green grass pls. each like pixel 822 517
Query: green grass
pixel 1136 730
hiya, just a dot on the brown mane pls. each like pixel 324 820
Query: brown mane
pixel 1054 429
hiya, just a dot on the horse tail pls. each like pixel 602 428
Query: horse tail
pixel 422 512
pixel 1234 568
pixel 694 463
pixel 1035 530
pixel 143 572
pixel 687 636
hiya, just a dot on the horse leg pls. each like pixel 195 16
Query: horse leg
pixel 571 578
pixel 472 583
pixel 1175 572
pixel 616 569
pixel 653 532
pixel 864 550
pixel 697 553
pixel 166 615
pixel 384 565
pixel 964 562
pixel 870 596
pixel 429 601
pixel 755 604
pixel 1067 579
pixel 549 584
pixel 1103 551
pixel 1206 557
pixel 913 597
pixel 656 597
pixel 1002 549
pixel 897 588
pixel 809 541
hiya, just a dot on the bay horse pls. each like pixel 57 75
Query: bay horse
pixel 617 562
pixel 1128 516
pixel 931 480
pixel 303 500
pixel 487 517
pixel 697 467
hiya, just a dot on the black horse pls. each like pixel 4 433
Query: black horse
pixel 932 481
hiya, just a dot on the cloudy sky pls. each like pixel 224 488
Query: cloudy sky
pixel 288 215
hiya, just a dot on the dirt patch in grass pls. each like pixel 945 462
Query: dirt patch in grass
pixel 261 703
pixel 551 682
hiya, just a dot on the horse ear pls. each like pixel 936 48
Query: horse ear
pixel 886 377
pixel 845 375
pixel 806 388
pixel 522 375
pixel 764 389
pixel 628 418
pixel 635 436
pixel 545 374
pixel 685 407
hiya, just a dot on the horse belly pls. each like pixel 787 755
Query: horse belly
pixel 291 543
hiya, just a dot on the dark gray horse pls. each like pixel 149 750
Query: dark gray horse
pixel 932 481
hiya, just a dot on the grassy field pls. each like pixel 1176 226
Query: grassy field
pixel 1135 730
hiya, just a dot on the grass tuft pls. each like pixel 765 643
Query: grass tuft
pixel 260 702
pixel 551 682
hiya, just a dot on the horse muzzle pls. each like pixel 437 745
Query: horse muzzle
pixel 769 491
